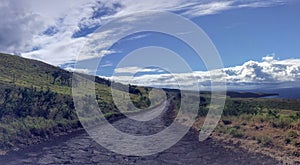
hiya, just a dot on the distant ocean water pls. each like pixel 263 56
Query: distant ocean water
pixel 288 93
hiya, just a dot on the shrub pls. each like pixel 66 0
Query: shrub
pixel 259 118
pixel 296 116
pixel 264 141
pixel 202 111
pixel 245 117
pixel 296 143
pixel 296 125
pixel 221 129
pixel 226 122
pixel 235 132
pixel 287 140
pixel 292 134
pixel 282 122
pixel 273 113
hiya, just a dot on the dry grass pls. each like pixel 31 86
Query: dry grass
pixel 256 134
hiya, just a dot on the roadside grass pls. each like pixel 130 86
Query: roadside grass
pixel 25 131
pixel 282 129
pixel 260 127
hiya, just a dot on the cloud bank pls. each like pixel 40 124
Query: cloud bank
pixel 250 75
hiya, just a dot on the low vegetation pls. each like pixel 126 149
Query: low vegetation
pixel 36 101
pixel 270 126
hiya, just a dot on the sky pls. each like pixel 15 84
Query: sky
pixel 258 41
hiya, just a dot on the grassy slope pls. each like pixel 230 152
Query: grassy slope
pixel 23 72
pixel 36 101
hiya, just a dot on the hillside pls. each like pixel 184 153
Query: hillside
pixel 36 101
pixel 31 73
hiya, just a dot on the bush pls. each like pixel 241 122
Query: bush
pixel 221 129
pixel 235 132
pixel 287 140
pixel 245 117
pixel 226 122
pixel 202 111
pixel 264 141
pixel 296 143
pixel 273 113
pixel 296 125
pixel 292 134
pixel 282 122
pixel 259 118
pixel 295 117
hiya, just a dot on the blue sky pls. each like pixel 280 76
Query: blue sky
pixel 239 35
pixel 250 33
pixel 258 41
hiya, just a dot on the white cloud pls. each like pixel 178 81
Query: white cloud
pixel 23 23
pixel 62 47
pixel 135 69
pixel 138 37
pixel 85 71
pixel 269 58
pixel 251 74
pixel 108 64
pixel 209 8
pixel 17 26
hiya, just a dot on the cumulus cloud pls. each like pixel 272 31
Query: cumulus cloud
pixel 252 74
pixel 18 26
pixel 269 71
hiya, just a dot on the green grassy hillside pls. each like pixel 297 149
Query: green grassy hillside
pixel 36 101
pixel 28 73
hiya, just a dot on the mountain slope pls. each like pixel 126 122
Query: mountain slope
pixel 31 73
pixel 36 101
